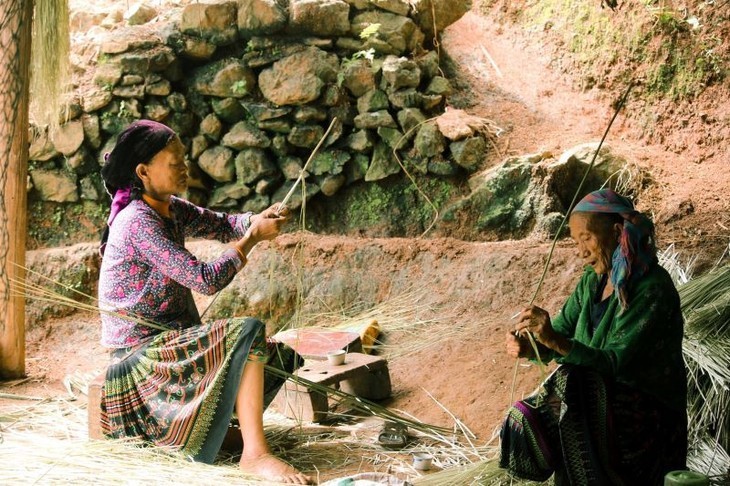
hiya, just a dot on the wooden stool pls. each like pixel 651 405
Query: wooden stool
pixel 93 406
pixel 361 375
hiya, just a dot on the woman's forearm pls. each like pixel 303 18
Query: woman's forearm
pixel 245 244
pixel 560 344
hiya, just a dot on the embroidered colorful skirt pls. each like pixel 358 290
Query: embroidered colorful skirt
pixel 589 433
pixel 178 389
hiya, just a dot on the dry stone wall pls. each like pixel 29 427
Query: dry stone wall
pixel 252 85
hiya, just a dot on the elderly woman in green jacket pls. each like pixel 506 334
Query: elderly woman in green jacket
pixel 614 412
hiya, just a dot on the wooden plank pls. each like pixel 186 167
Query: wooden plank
pixel 316 343
pixel 323 373
pixel 93 407
pixel 300 403
pixel 15 41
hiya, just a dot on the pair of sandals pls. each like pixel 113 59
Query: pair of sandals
pixel 393 435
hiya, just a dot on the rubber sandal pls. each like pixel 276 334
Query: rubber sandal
pixel 393 435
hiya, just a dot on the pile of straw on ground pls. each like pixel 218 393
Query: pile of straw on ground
pixel 51 436
pixel 706 308
pixel 46 442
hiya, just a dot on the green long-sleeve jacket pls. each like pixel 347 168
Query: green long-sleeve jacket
pixel 640 346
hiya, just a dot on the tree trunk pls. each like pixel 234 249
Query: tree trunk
pixel 15 41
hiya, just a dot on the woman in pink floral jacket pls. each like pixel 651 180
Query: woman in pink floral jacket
pixel 174 380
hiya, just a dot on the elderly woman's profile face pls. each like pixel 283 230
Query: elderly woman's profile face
pixel 594 249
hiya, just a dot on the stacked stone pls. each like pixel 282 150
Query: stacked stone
pixel 251 88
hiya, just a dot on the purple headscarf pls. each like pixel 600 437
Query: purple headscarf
pixel 636 252
pixel 137 144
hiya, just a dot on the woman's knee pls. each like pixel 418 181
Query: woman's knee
pixel 256 325
pixel 259 349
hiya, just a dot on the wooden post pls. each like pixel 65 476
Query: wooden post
pixel 15 41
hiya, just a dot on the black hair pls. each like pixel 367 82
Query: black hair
pixel 137 144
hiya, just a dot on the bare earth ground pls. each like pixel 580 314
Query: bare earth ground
pixel 482 284
pixel 542 110
pixel 472 290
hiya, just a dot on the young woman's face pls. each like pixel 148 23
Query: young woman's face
pixel 166 173
pixel 594 249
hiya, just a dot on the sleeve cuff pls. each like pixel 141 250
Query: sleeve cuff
pixel 546 356
pixel 246 222
pixel 579 353
pixel 233 254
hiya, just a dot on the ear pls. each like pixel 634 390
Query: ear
pixel 618 229
pixel 142 172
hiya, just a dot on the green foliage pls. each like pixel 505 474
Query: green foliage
pixel 249 117
pixel 239 87
pixel 368 54
pixel 655 42
pixel 684 74
pixel 107 116
pixel 271 52
pixel 114 119
pixel 667 21
pixel 125 112
pixel 391 207
pixel 369 31
pixel 367 206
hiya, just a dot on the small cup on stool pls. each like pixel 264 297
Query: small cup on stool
pixel 337 357
pixel 422 461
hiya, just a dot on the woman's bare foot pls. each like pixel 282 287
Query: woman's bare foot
pixel 274 469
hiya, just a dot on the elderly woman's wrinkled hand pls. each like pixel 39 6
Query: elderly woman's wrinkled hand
pixel 536 321
pixel 518 347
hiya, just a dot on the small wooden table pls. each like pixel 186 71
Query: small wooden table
pixel 361 375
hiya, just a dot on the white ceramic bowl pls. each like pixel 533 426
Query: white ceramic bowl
pixel 422 461
pixel 336 357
